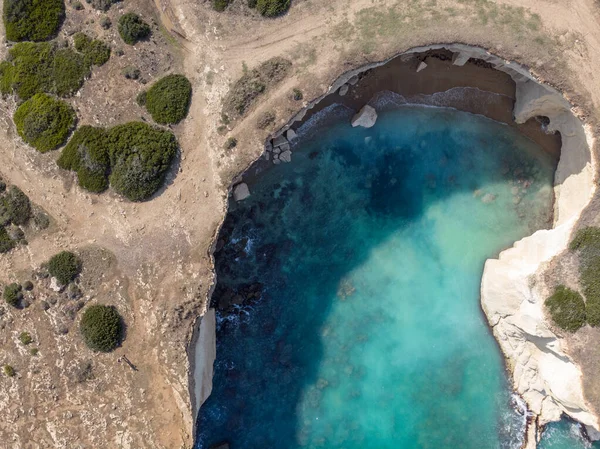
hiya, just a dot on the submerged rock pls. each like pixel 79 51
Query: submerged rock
pixel 366 117
pixel 343 90
pixel 241 192
pixel 223 445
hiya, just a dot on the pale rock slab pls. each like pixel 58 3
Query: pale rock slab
pixel 205 355
pixel 366 117
pixel 241 192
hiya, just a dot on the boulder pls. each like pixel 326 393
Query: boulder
pixel 422 66
pixel 285 147
pixel 291 134
pixel 223 445
pixel 343 90
pixel 286 156
pixel 460 59
pixel 352 81
pixel 366 117
pixel 241 192
pixel 279 140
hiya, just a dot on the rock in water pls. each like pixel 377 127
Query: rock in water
pixel 286 156
pixel 366 117
pixel 422 66
pixel 343 90
pixel 291 135
pixel 241 192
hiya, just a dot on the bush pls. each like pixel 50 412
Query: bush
pixel 44 122
pixel 13 294
pixel 265 120
pixel 87 154
pixel 6 243
pixel 133 29
pixel 297 94
pixel 141 98
pixel 252 3
pixel 103 5
pixel 101 328
pixel 64 266
pixel 566 308
pixel 31 69
pixel 28 285
pixel 105 23
pixel 230 143
pixel 140 156
pixel 253 83
pixel 94 51
pixel 77 6
pixel 272 8
pixel 15 207
pixel 220 5
pixel 70 71
pixel 586 238
pixel 9 371
pixel 131 73
pixel 32 20
pixel 168 100
pixel 25 338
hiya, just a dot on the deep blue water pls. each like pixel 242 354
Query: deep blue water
pixel 348 288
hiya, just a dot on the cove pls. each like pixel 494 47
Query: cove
pixel 348 286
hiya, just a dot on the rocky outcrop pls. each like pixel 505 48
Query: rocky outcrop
pixel 513 290
pixel 205 354
pixel 366 117
pixel 241 192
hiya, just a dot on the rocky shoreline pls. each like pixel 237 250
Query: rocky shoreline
pixel 511 298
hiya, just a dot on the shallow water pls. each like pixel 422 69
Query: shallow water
pixel 361 263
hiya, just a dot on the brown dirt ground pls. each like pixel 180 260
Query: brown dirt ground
pixel 161 269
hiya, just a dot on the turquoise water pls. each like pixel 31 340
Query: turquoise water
pixel 564 435
pixel 348 287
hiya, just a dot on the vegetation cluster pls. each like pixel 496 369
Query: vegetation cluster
pixel 32 20
pixel 133 29
pixel 168 100
pixel 45 67
pixel 267 8
pixel 567 308
pixel 133 158
pixel 15 211
pixel 102 328
pixel 44 122
pixel 253 84
pixel 64 266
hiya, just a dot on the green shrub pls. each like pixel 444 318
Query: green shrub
pixel 32 20
pixel 253 83
pixel 141 98
pixel 220 5
pixel 133 29
pixel 101 328
pixel 6 243
pixel 103 5
pixel 272 8
pixel 252 3
pixel 77 6
pixel 28 285
pixel 265 120
pixel 566 308
pixel 297 94
pixel 87 154
pixel 168 100
pixel 25 338
pixel 105 22
pixel 15 207
pixel 586 238
pixel 44 122
pixel 64 266
pixel 9 371
pixel 70 71
pixel 13 294
pixel 43 67
pixel 32 69
pixel 230 143
pixel 140 156
pixel 131 73
pixel 95 51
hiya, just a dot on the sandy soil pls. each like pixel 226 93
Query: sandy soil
pixel 161 247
